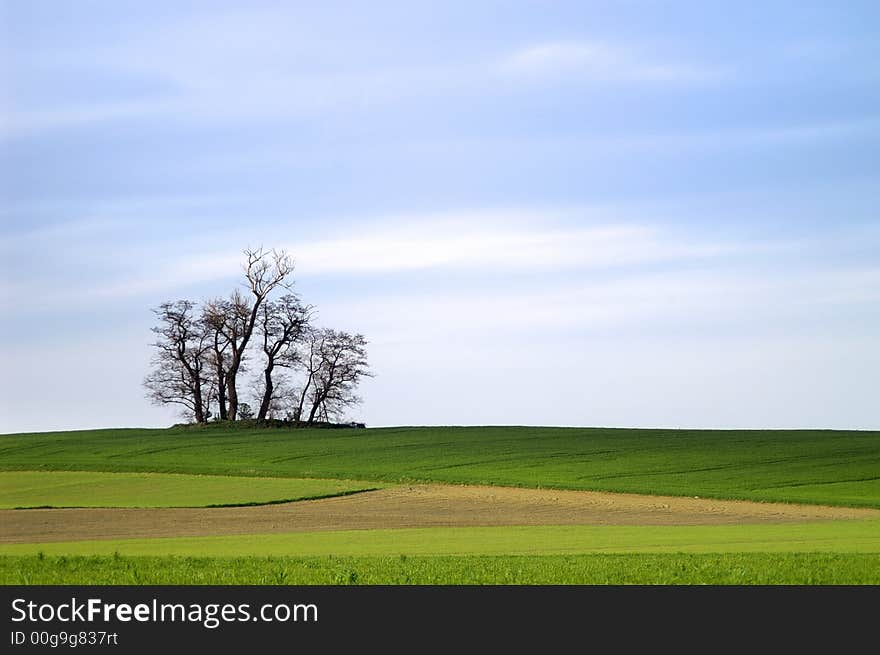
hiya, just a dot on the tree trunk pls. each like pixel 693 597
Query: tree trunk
pixel 237 355
pixel 314 411
pixel 302 398
pixel 198 407
pixel 221 393
pixel 221 382
pixel 267 392
pixel 231 394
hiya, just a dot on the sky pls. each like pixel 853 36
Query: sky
pixel 631 213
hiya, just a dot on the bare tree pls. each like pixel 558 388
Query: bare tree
pixel 237 328
pixel 335 362
pixel 214 319
pixel 311 363
pixel 281 325
pixel 232 321
pixel 263 271
pixel 181 374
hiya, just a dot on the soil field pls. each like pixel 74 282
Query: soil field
pixel 409 506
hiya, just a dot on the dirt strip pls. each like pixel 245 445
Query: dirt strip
pixel 408 507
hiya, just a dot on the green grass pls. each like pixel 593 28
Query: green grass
pixel 812 466
pixel 791 466
pixel 829 536
pixel 88 489
pixel 677 568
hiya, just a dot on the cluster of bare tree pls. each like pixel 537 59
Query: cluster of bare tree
pixel 307 373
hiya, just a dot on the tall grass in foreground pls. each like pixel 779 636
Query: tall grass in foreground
pixel 666 569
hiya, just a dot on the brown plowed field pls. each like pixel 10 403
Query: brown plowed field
pixel 407 507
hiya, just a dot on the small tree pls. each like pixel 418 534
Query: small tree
pixel 181 372
pixel 282 324
pixel 335 363
pixel 245 412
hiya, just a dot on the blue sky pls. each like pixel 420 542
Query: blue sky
pixel 585 213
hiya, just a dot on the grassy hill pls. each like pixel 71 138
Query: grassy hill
pixel 810 466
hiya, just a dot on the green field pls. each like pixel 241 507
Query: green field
pixel 828 536
pixel 223 465
pixel 732 568
pixel 808 466
pixel 22 489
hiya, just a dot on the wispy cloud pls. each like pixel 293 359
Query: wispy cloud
pixel 260 63
pixel 688 301
pixel 603 62
pixel 475 243
pixel 471 241
pixel 64 230
pixel 16 122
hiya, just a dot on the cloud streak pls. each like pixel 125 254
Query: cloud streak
pixel 614 271
pixel 476 244
pixel 686 302
pixel 246 65
pixel 471 242
pixel 587 60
